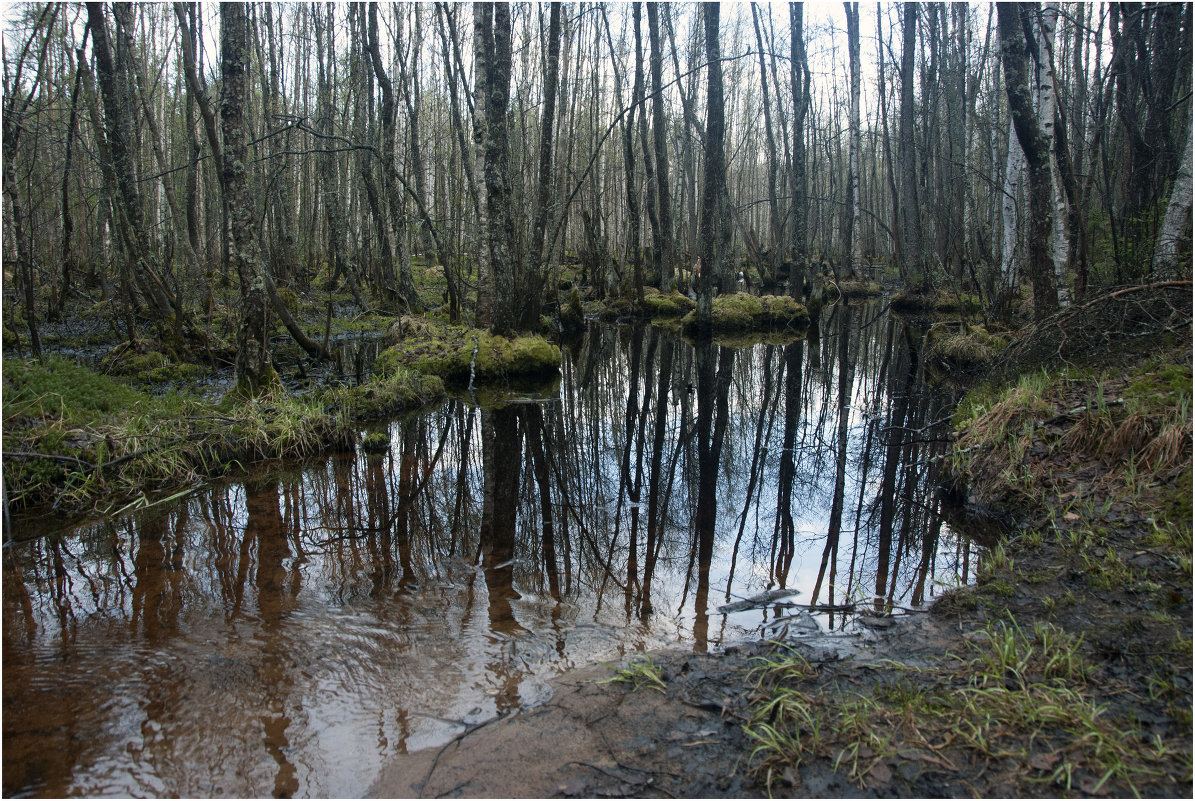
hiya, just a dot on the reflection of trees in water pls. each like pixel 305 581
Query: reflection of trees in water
pixel 661 474
pixel 658 465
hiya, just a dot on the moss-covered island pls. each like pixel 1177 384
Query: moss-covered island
pixel 740 311
pixel 463 355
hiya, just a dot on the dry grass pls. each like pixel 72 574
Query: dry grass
pixel 1169 449
pixel 1130 436
pixel 1089 433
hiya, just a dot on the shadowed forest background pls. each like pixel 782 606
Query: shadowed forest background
pixel 189 172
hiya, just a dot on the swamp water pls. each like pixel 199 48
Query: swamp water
pixel 287 634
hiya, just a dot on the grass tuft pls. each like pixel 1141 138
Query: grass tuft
pixel 641 673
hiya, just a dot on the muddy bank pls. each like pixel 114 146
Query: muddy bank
pixel 597 738
pixel 607 739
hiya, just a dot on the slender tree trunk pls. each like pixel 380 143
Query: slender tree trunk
pixel 801 274
pixel 483 34
pixel 21 235
pixel 394 285
pixel 1014 175
pixel 914 259
pixel 897 230
pixel 254 374
pixel 416 167
pixel 68 222
pixel 493 37
pixel 852 240
pixel 634 247
pixel 771 269
pixel 547 146
pixel 665 246
pixel 1045 20
pixel 646 147
pixel 119 107
pixel 715 225
pixel 328 160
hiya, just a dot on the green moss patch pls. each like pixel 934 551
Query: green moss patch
pixel 454 353
pixel 64 391
pixel 375 442
pixel 667 304
pixel 396 388
pixel 656 304
pixel 79 439
pixel 854 288
pixel 742 312
pixel 939 302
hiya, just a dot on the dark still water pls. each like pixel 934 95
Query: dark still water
pixel 288 634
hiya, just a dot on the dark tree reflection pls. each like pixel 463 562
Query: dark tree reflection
pixel 381 597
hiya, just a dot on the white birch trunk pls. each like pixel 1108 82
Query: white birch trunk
pixel 1165 261
pixel 1047 103
pixel 1014 180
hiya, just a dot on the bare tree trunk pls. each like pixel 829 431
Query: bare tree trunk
pixel 493 38
pixel 483 34
pixel 665 246
pixel 852 240
pixel 914 259
pixel 801 273
pixel 254 374
pixel 327 159
pixel 1014 56
pixel 896 229
pixel 1045 20
pixel 1014 175
pixel 775 245
pixel 119 106
pixel 646 146
pixel 715 223
pixel 68 223
pixel 636 239
pixel 539 257
pixel 397 286
pixel 21 235
pixel 416 168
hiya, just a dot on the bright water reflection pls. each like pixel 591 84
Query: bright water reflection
pixel 287 634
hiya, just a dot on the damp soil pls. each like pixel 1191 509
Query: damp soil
pixel 604 739
pixel 597 738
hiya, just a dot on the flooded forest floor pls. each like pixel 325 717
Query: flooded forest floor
pixel 1064 671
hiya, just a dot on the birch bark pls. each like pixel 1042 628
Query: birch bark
pixel 1176 222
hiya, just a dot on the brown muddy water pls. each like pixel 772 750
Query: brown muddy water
pixel 286 635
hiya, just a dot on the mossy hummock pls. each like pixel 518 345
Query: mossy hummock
pixel 455 354
pixel 743 312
